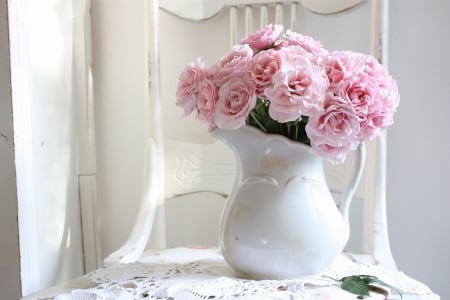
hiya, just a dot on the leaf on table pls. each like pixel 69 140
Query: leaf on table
pixel 361 285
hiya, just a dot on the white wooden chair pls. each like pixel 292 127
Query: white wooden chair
pixel 188 174
pixel 197 165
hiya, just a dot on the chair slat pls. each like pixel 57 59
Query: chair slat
pixel 233 25
pixel 294 14
pixel 279 13
pixel 248 20
pixel 263 15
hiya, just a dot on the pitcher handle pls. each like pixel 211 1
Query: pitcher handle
pixel 353 181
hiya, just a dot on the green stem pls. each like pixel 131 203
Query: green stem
pixel 252 114
pixel 329 277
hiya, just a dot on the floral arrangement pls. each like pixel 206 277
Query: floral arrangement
pixel 286 83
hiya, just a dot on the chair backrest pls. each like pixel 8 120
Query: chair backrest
pixel 189 174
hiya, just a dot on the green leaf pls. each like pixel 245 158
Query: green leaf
pixel 260 118
pixel 380 282
pixel 367 279
pixel 356 286
pixel 362 284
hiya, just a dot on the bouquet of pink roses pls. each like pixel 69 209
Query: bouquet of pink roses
pixel 287 83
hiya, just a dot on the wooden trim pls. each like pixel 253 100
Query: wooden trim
pixel 83 96
pixel 10 277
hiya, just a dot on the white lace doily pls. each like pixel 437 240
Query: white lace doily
pixel 186 273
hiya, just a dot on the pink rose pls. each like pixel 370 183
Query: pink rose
pixel 236 99
pixel 187 90
pixel 262 68
pixel 345 97
pixel 264 38
pixel 334 131
pixel 334 154
pixel 298 89
pixel 388 90
pixel 234 64
pixel 365 84
pixel 381 115
pixel 340 65
pixel 360 91
pixel 372 125
pixel 293 55
pixel 304 41
pixel 374 69
pixel 206 102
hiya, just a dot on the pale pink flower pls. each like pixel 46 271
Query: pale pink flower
pixel 237 98
pixel 262 68
pixel 374 69
pixel 306 42
pixel 340 65
pixel 345 97
pixel 233 64
pixel 298 89
pixel 388 90
pixel 334 154
pixel 264 38
pixel 187 90
pixel 294 54
pixel 206 102
pixel 381 114
pixel 360 91
pixel 364 83
pixel 374 122
pixel 334 131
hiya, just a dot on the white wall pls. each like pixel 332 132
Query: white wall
pixel 419 142
pixel 9 230
pixel 45 142
pixel 418 147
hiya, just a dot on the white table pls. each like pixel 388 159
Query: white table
pixel 202 273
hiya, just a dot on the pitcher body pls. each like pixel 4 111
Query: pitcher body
pixel 280 220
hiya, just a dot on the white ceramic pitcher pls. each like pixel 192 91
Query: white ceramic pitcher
pixel 280 220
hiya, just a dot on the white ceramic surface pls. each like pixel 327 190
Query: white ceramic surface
pixel 280 220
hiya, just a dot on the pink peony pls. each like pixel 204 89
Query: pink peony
pixel 234 64
pixel 187 90
pixel 236 99
pixel 264 38
pixel 206 102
